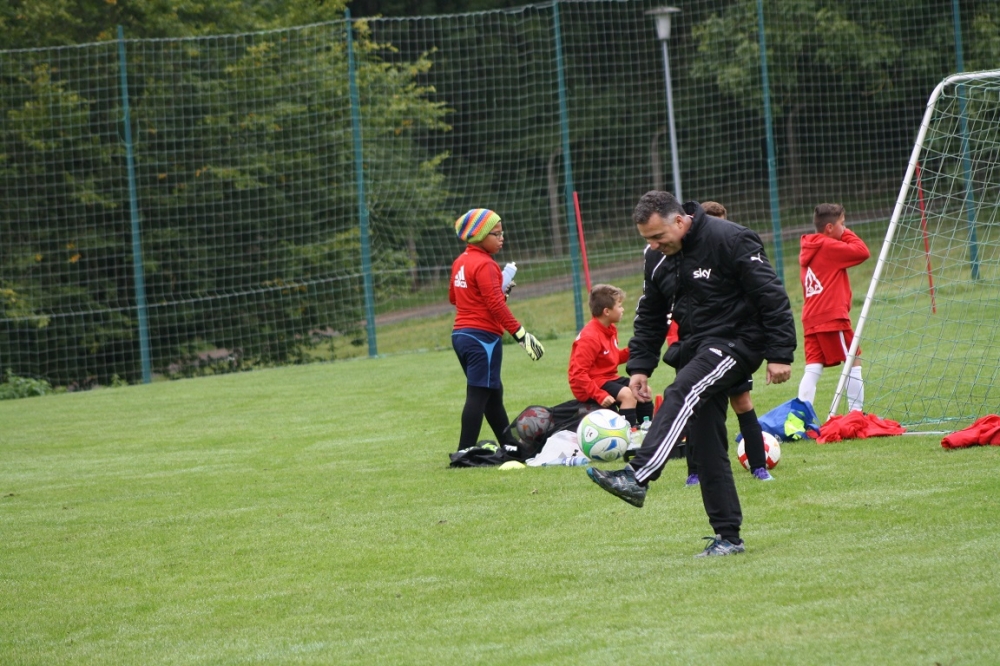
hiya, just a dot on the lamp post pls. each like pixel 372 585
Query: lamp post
pixel 662 17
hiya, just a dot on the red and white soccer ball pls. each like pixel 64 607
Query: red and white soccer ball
pixel 772 451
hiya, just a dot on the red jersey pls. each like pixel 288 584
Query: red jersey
pixel 823 264
pixel 477 295
pixel 594 360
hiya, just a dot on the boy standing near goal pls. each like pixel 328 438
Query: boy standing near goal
pixel 595 357
pixel 824 259
pixel 481 317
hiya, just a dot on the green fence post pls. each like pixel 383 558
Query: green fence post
pixel 140 281
pixel 359 175
pixel 772 163
pixel 574 247
pixel 970 196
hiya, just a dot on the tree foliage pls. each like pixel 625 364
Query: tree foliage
pixel 244 164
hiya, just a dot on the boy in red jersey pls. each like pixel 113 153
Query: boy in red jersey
pixel 595 357
pixel 824 259
pixel 481 317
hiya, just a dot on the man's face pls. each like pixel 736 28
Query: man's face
pixel 664 235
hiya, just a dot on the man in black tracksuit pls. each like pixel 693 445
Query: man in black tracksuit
pixel 736 314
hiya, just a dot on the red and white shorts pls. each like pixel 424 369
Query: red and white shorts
pixel 829 347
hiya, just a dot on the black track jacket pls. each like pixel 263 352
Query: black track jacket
pixel 723 291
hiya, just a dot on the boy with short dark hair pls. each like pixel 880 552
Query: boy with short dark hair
pixel 824 259
pixel 595 357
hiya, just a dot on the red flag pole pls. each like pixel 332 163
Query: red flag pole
pixel 583 244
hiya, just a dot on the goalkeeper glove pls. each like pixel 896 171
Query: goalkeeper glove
pixel 530 344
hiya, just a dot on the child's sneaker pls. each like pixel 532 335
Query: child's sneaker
pixel 718 546
pixel 761 474
pixel 692 480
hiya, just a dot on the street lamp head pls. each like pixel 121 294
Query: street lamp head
pixel 662 17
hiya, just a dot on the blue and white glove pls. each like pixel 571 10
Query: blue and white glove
pixel 530 344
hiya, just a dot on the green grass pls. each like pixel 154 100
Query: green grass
pixel 307 515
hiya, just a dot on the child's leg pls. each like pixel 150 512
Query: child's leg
pixel 753 437
pixel 810 379
pixel 855 388
pixel 642 410
pixel 624 400
pixel 689 456
pixel 496 414
pixel 626 406
pixel 476 398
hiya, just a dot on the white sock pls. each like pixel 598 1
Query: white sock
pixel 855 390
pixel 807 387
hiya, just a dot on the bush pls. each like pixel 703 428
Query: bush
pixel 23 387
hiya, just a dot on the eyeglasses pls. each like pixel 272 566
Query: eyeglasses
pixel 498 234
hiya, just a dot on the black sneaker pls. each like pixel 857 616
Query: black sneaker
pixel 620 483
pixel 718 546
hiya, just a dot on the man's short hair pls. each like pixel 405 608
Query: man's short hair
pixel 714 208
pixel 662 203
pixel 604 296
pixel 826 213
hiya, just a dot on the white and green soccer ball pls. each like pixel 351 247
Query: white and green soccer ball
pixel 603 435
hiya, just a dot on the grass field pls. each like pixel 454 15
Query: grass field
pixel 307 515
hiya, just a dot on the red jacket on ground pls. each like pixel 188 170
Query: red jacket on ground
pixel 823 264
pixel 984 431
pixel 594 360
pixel 477 294
pixel 855 425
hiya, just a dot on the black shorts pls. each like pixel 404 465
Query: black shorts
pixel 614 386
pixel 742 387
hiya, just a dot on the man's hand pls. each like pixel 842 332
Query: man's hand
pixel 530 344
pixel 639 385
pixel 778 373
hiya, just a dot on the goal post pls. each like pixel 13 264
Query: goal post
pixel 928 328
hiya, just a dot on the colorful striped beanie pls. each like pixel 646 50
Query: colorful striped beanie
pixel 474 225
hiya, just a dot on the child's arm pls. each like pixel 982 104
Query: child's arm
pixel 849 251
pixel 623 355
pixel 488 278
pixel 581 360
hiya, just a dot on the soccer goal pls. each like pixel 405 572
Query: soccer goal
pixel 929 329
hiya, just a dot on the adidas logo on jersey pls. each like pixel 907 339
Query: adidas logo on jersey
pixel 812 284
pixel 460 278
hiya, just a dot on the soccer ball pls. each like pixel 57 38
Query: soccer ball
pixel 772 451
pixel 603 435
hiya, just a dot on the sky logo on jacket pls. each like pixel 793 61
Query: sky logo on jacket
pixel 702 273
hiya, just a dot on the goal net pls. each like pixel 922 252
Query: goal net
pixel 929 329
